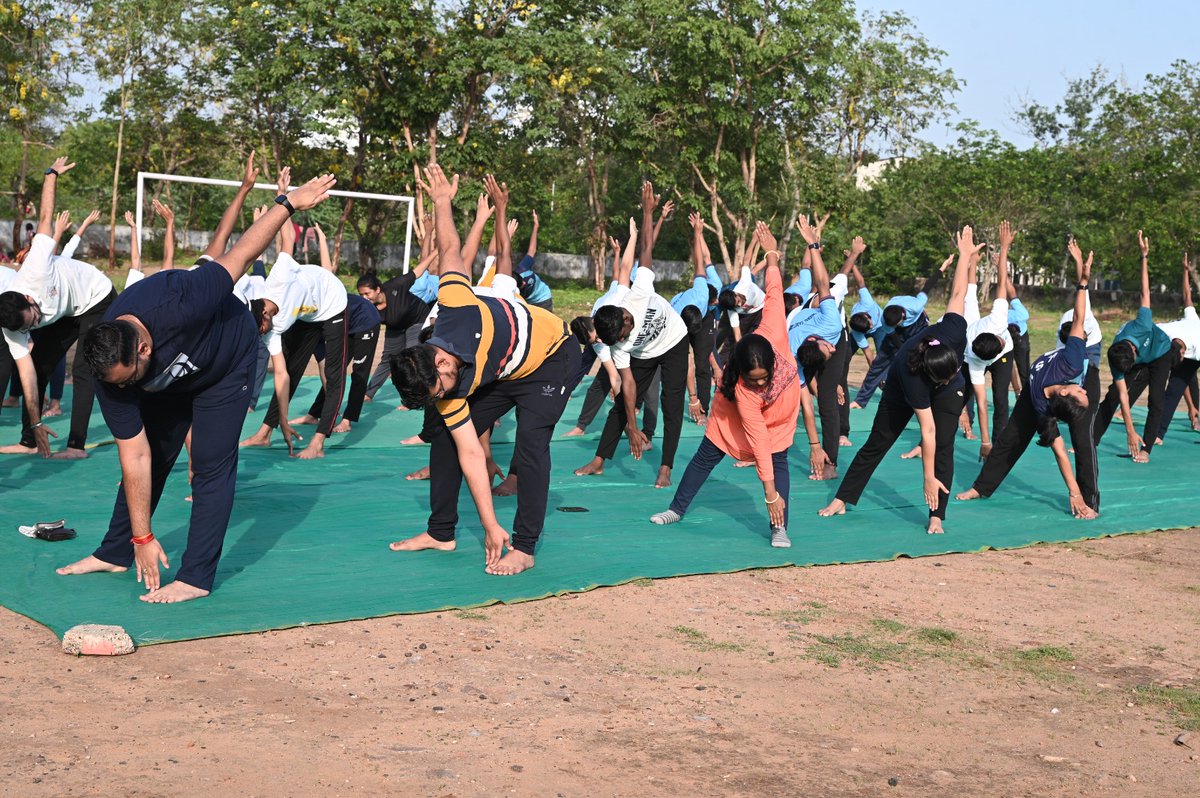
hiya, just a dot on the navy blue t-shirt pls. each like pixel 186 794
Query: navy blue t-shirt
pixel 1060 367
pixel 200 331
pixel 361 315
pixel 917 390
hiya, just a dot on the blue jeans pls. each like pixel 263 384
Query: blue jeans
pixel 705 460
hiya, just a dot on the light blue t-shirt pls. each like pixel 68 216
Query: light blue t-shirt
pixel 712 278
pixel 1018 315
pixel 803 285
pixel 867 304
pixel 537 291
pixel 696 296
pixel 913 306
pixel 824 321
pixel 425 287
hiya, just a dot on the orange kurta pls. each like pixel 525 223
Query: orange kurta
pixel 761 421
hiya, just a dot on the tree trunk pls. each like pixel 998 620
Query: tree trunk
pixel 597 191
pixel 21 197
pixel 112 217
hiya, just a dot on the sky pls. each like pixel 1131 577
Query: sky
pixel 1007 52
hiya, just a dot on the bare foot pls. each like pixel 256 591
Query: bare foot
pixel 419 474
pixel 69 454
pixel 855 406
pixel 187 498
pixel 835 507
pixel 828 472
pixel 402 407
pixel 342 426
pixel 971 436
pixel 592 469
pixel 257 439
pixel 508 487
pixel 935 526
pixel 1157 441
pixel 512 563
pixel 52 409
pixel 967 495
pixel 664 477
pixel 17 448
pixel 743 464
pixel 174 593
pixel 307 420
pixel 844 441
pixel 11 401
pixel 89 565
pixel 414 440
pixel 576 432
pixel 912 454
pixel 311 452
pixel 649 441
pixel 422 542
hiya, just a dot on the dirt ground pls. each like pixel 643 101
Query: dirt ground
pixel 1053 670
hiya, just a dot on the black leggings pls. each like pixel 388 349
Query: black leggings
pixel 1183 378
pixel 361 352
pixel 828 409
pixel 1014 439
pixel 890 420
pixel 674 386
pixel 1001 372
pixel 1153 375
pixel 50 344
pixel 299 343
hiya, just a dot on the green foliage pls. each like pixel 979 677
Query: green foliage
pixel 1183 703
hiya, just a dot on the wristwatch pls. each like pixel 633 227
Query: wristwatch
pixel 283 200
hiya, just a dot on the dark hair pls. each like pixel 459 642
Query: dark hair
pixel 1177 349
pixel 861 322
pixel 1064 332
pixel 426 333
pixel 13 305
pixel 810 357
pixel 987 346
pixel 728 299
pixel 369 280
pixel 1062 408
pixel 108 344
pixel 608 322
pixel 583 328
pixel 256 312
pixel 414 373
pixel 752 352
pixel 1121 356
pixel 937 361
pixel 893 315
pixel 790 301
pixel 712 293
pixel 692 317
pixel 1015 331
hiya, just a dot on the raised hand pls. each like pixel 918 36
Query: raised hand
pixel 61 223
pixel 1006 235
pixel 91 218
pixel 259 211
pixel 130 221
pixel 767 239
pixel 284 181
pixel 312 193
pixel 162 210
pixel 250 174
pixel 536 222
pixel 512 227
pixel 1143 245
pixel 61 166
pixel 966 242
pixel 497 191
pixel 320 234
pixel 821 225
pixel 667 209
pixel 649 198
pixel 696 221
pixel 437 186
pixel 811 234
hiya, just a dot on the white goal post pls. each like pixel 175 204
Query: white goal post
pixel 209 181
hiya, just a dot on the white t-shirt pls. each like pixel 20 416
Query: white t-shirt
pixel 995 323
pixel 613 296
pixel 69 250
pixel 656 325
pixel 755 297
pixel 1187 330
pixel 62 287
pixel 303 292
pixel 250 286
pixel 7 276
pixel 1091 328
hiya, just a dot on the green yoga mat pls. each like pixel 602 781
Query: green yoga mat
pixel 308 540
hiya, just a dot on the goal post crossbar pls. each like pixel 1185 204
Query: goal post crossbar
pixel 211 181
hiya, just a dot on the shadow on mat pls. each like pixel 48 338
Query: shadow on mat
pixel 273 510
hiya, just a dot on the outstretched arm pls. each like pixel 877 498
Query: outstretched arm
pixel 649 203
pixel 61 224
pixel 216 247
pixel 967 249
pixel 1083 272
pixel 256 240
pixel 857 247
pixel 627 259
pixel 1006 239
pixel 135 251
pixel 531 250
pixel 1187 283
pixel 1144 246
pixel 169 237
pixel 470 247
pixel 499 194
pixel 1079 507
pixel 812 235
pixel 667 208
pixel 49 188
pixel 441 192
pixel 697 222
pixel 323 250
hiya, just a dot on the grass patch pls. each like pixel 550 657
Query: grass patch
pixel 1046 654
pixel 811 613
pixel 702 642
pixel 642 582
pixel 471 615
pixel 1192 588
pixel 936 636
pixel 863 649
pixel 1183 704
pixel 888 625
